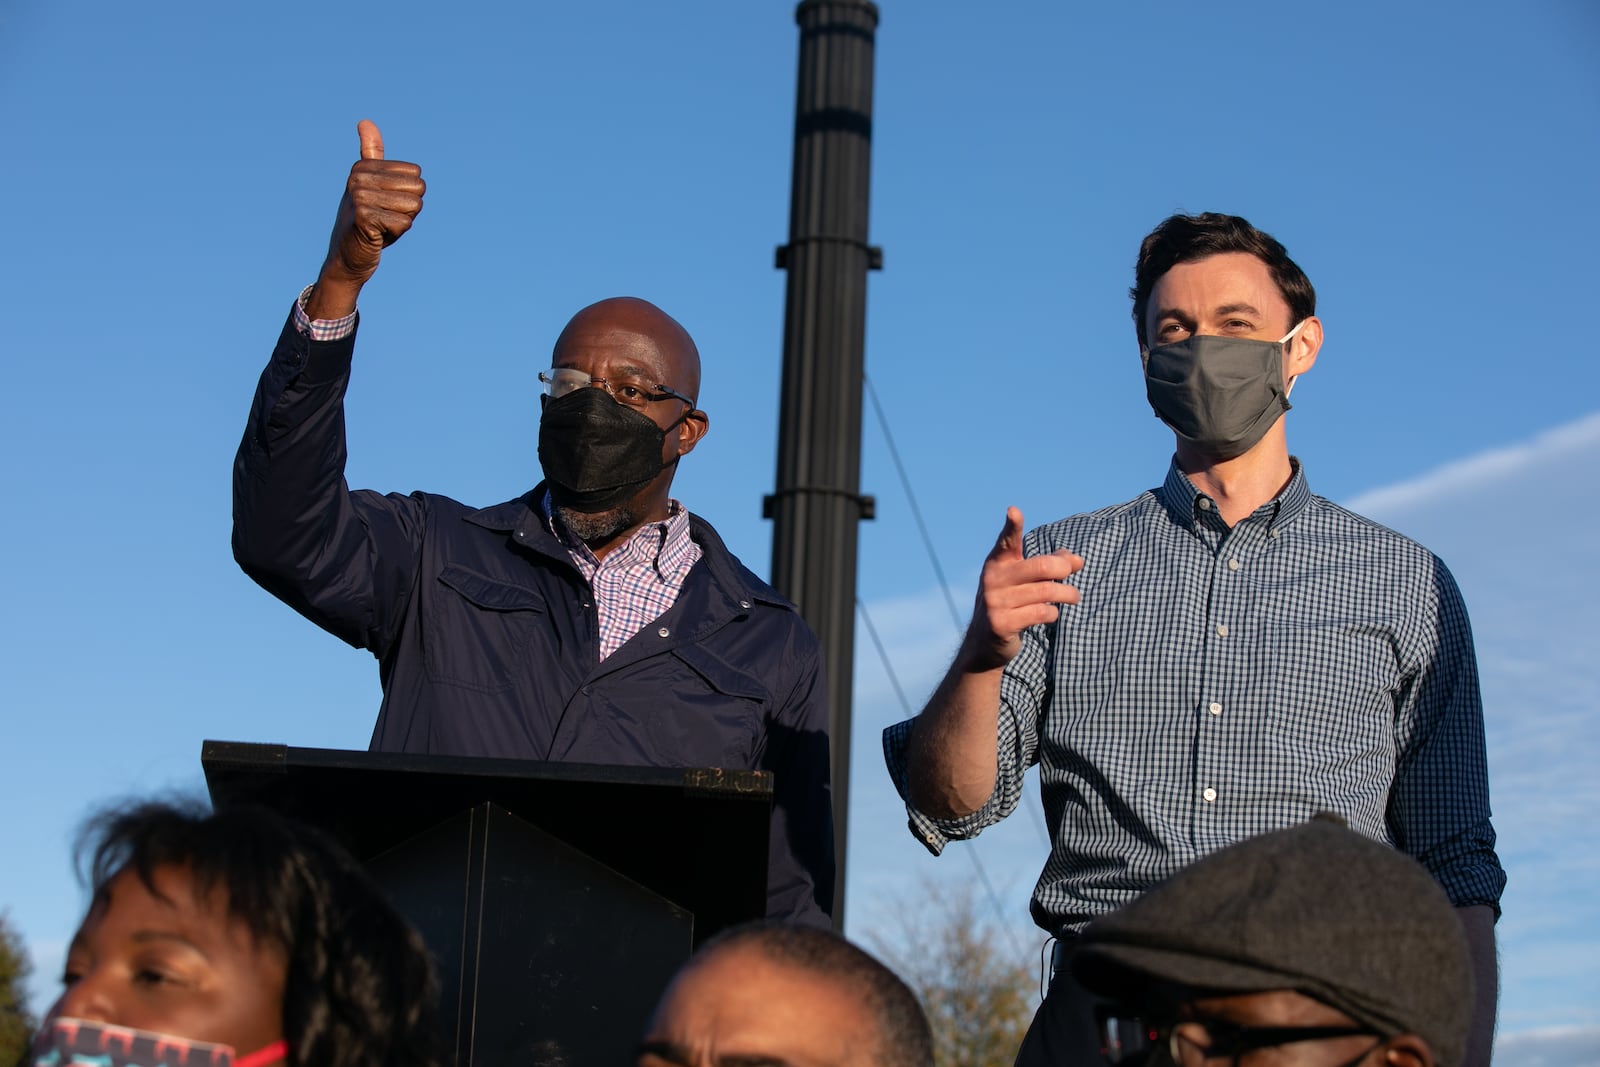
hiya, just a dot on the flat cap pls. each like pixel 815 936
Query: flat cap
pixel 1316 908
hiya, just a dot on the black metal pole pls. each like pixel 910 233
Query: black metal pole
pixel 818 500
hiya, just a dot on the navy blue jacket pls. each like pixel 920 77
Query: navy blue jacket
pixel 487 637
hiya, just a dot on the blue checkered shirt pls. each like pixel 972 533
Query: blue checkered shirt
pixel 1217 683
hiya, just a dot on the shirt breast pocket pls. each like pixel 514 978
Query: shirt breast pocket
pixel 1333 684
pixel 480 630
pixel 713 714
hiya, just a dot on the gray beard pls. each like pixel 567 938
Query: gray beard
pixel 597 526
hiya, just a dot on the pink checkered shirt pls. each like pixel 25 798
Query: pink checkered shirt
pixel 639 579
pixel 636 582
pixel 321 329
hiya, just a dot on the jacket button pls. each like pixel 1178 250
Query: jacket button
pixel 664 631
pixel 745 604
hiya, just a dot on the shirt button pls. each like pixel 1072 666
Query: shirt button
pixel 1203 504
pixel 930 839
pixel 1233 564
pixel 1210 794
pixel 744 604
pixel 664 631
pixel 1222 629
pixel 1215 709
pixel 1272 534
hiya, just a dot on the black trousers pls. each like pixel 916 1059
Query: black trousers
pixel 1067 1030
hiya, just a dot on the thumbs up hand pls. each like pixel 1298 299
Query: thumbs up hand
pixel 381 199
pixel 371 139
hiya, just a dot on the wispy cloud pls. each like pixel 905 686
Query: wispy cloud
pixel 1566 442
pixel 1560 1046
pixel 1516 526
pixel 917 637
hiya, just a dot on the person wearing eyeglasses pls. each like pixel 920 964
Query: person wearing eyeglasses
pixel 1309 946
pixel 592 619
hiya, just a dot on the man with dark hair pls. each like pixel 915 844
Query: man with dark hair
pixel 592 619
pixel 1221 656
pixel 779 994
pixel 1314 941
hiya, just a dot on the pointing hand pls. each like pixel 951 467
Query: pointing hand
pixel 1015 593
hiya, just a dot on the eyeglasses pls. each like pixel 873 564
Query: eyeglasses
pixel 1194 1041
pixel 1229 1041
pixel 632 392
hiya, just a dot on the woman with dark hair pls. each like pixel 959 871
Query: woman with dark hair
pixel 235 937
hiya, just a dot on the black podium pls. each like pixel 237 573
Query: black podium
pixel 558 898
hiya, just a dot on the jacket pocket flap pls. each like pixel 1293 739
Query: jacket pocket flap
pixel 721 675
pixel 490 593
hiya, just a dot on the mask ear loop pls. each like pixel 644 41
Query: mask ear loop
pixel 278 1050
pixel 1288 387
pixel 677 422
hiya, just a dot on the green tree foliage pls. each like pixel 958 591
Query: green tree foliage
pixel 979 997
pixel 16 1022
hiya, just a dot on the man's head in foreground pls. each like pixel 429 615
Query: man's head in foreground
pixel 1314 942
pixel 775 995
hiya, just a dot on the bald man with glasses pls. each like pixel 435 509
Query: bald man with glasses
pixel 592 619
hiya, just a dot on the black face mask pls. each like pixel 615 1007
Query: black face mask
pixel 597 453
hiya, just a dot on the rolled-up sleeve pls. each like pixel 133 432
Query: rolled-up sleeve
pixel 1025 689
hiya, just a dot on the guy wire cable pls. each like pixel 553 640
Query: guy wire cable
pixel 933 558
pixel 971 850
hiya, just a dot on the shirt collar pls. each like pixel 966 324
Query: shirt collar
pixel 1187 504
pixel 666 542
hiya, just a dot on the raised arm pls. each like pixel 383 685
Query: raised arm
pixel 341 559
pixel 952 753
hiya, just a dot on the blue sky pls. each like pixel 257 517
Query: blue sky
pixel 173 169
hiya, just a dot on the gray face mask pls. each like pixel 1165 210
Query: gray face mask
pixel 1220 394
